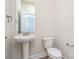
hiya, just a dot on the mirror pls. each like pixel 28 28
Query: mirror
pixel 26 16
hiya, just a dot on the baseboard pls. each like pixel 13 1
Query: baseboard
pixel 38 55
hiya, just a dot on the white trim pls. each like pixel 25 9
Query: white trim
pixel 38 55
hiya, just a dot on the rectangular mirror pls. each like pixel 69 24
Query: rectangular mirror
pixel 26 16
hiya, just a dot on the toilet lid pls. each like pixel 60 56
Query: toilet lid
pixel 54 52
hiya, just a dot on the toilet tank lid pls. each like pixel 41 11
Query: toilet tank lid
pixel 45 38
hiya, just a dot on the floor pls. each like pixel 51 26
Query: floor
pixel 45 57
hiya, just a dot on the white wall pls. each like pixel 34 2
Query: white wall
pixel 7 31
pixel 52 16
pixel 45 16
pixel 65 26
pixel 28 8
pixel 14 51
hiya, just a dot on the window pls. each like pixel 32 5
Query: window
pixel 28 23
pixel 27 18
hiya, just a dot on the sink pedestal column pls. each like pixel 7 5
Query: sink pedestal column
pixel 26 50
pixel 25 40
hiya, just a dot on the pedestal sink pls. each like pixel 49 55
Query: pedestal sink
pixel 24 39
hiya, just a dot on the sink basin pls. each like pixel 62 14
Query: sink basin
pixel 24 38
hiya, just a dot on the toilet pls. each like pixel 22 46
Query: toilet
pixel 53 52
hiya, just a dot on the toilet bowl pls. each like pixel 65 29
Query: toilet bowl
pixel 53 53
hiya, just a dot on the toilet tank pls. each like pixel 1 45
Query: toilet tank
pixel 48 42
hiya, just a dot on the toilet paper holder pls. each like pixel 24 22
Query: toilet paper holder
pixel 70 45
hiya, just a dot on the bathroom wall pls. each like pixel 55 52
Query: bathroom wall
pixel 12 49
pixel 16 48
pixel 28 7
pixel 45 16
pixel 64 31
pixel 53 18
pixel 7 30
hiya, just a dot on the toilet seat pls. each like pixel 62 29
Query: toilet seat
pixel 54 52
